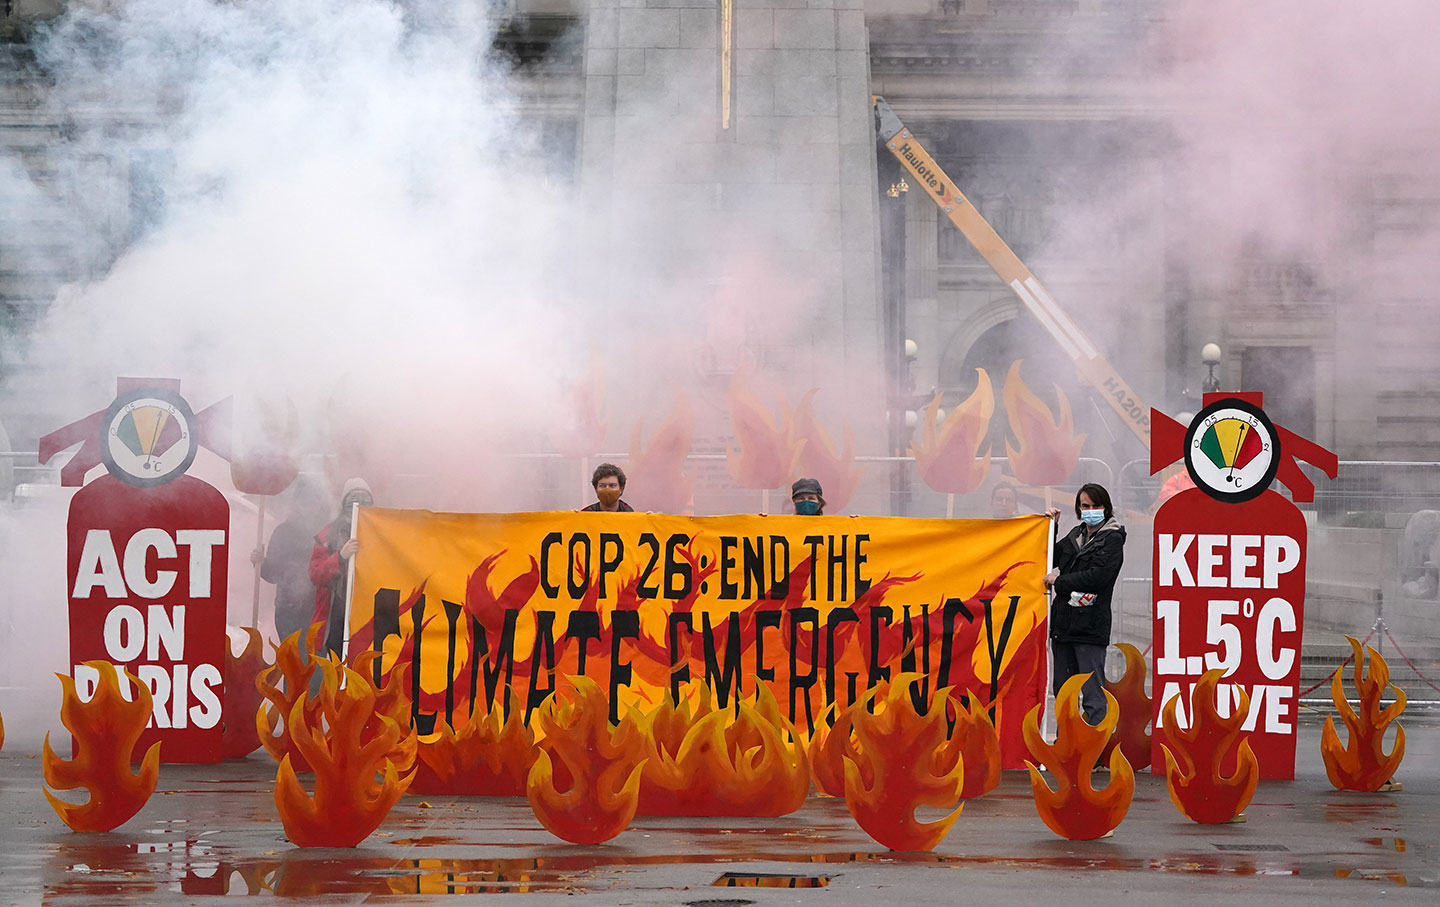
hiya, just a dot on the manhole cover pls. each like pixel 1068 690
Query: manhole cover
pixel 1252 848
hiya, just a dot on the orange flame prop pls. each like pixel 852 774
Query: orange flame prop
pixel 903 754
pixel 1048 448
pixel 2 732
pixel 291 663
pixel 664 486
pixel 975 740
pixel 1077 810
pixel 489 756
pixel 348 804
pixel 1135 706
pixel 242 697
pixel 269 466
pixel 105 731
pixel 1208 797
pixel 947 458
pixel 830 750
pixel 392 699
pixel 599 767
pixel 712 765
pixel 586 435
pixel 835 471
pixel 1362 764
pixel 768 452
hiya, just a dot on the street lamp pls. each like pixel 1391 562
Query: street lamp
pixel 1210 355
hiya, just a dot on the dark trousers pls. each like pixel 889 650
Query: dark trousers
pixel 1073 658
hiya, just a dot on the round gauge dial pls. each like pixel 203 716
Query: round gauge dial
pixel 1231 450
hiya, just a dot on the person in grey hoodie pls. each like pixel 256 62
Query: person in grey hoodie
pixel 1087 564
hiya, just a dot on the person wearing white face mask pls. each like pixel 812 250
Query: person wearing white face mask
pixel 1087 564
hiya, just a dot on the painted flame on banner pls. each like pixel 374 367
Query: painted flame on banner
pixel 348 803
pixel 1194 755
pixel 946 458
pixel 296 670
pixel 658 480
pixel 714 764
pixel 241 736
pixel 768 450
pixel 1048 448
pixel 835 470
pixel 903 754
pixel 1362 763
pixel 975 738
pixel 1076 810
pixel 105 730
pixel 585 784
pixel 490 755
pixel 1135 705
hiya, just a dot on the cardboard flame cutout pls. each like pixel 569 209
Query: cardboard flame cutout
pixel 1195 754
pixel 348 803
pixel 1048 448
pixel 585 784
pixel 831 749
pixel 266 465
pixel 1135 710
pixel 716 764
pixel 242 697
pixel 947 458
pixel 490 755
pixel 975 738
pixel 392 699
pixel 585 435
pixel 1077 810
pixel 903 764
pixel 835 470
pixel 768 451
pixel 1362 763
pixel 105 730
pixel 296 669
pixel 2 732
pixel 663 485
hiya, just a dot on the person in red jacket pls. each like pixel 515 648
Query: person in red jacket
pixel 329 560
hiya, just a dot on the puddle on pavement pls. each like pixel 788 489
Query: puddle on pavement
pixel 193 867
pixel 769 880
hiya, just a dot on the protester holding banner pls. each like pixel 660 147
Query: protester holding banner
pixel 1087 564
pixel 329 559
pixel 285 561
pixel 609 484
pixel 807 497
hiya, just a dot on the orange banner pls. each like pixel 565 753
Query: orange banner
pixel 818 609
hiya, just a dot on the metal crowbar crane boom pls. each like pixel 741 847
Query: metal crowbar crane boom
pixel 943 192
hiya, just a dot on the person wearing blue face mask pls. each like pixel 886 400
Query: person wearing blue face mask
pixel 1087 564
pixel 807 497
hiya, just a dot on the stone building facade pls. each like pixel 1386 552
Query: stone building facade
pixel 1030 138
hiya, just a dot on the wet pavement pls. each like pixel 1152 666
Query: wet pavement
pixel 212 831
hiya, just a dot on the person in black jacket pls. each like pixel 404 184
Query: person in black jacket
pixel 1087 563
